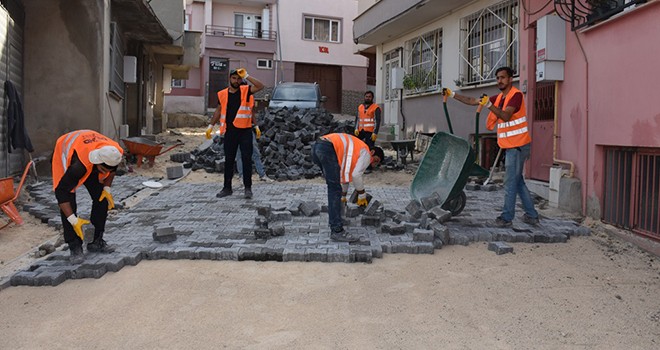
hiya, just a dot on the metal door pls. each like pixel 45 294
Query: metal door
pixel 542 131
pixel 218 79
pixel 329 80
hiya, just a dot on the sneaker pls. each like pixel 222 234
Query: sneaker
pixel 224 193
pixel 499 222
pixel 343 236
pixel 100 246
pixel 266 179
pixel 248 193
pixel 77 256
pixel 530 220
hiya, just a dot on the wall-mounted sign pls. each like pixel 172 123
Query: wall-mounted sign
pixel 218 64
pixel 324 49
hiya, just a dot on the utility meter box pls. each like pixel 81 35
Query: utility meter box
pixel 550 48
pixel 396 79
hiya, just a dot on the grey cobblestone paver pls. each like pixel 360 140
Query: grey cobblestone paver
pixel 281 223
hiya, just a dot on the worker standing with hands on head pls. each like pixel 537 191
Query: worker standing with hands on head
pixel 367 122
pixel 343 158
pixel 234 112
pixel 508 112
pixel 85 157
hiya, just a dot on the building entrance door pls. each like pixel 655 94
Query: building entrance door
pixel 218 79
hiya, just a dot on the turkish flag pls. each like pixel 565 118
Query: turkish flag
pixel 323 49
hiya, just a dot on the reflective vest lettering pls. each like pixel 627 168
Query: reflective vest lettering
pixel 367 119
pixel 515 132
pixel 81 142
pixel 243 118
pixel 348 148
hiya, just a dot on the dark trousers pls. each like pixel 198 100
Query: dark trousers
pixel 366 137
pixel 323 155
pixel 235 138
pixel 97 218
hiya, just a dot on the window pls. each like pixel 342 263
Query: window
pixel 423 63
pixel 320 29
pixel 247 25
pixel 186 22
pixel 116 62
pixel 178 83
pixel 391 61
pixel 489 41
pixel 264 63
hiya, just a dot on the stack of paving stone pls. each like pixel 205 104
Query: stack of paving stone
pixel 285 145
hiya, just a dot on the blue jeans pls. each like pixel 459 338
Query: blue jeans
pixel 323 155
pixel 514 183
pixel 256 159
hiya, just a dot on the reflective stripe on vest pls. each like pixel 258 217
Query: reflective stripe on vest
pixel 243 119
pixel 367 119
pixel 515 132
pixel 348 149
pixel 81 142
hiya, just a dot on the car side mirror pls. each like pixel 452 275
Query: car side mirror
pixel 324 98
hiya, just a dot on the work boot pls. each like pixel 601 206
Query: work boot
pixel 77 256
pixel 266 179
pixel 248 193
pixel 499 222
pixel 530 220
pixel 224 193
pixel 343 236
pixel 100 246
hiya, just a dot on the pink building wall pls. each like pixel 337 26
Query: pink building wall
pixel 609 96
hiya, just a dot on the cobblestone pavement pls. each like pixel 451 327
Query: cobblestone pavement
pixel 283 222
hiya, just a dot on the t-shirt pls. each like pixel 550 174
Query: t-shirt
pixel 516 101
pixel 233 104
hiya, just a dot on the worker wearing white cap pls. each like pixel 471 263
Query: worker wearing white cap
pixel 85 157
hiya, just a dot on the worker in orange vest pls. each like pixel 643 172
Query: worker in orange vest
pixel 234 112
pixel 85 157
pixel 367 122
pixel 508 112
pixel 343 158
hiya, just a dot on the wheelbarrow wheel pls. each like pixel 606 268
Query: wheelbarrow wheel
pixel 456 204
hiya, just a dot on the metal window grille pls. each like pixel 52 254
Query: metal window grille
pixel 544 103
pixel 489 40
pixel 423 63
pixel 618 187
pixel 647 211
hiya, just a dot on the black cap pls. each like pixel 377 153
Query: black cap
pixel 233 72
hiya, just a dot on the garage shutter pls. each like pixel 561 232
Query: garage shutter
pixel 11 68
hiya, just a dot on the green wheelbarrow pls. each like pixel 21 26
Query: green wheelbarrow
pixel 444 171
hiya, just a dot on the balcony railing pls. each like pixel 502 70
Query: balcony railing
pixel 240 32
pixel 583 13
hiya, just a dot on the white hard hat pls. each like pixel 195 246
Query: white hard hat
pixel 108 155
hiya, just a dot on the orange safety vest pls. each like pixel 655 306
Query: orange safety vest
pixel 243 118
pixel 81 142
pixel 348 148
pixel 367 119
pixel 515 132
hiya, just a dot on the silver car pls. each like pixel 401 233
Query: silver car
pixel 301 95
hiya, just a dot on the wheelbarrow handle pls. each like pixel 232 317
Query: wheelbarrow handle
pixel 170 148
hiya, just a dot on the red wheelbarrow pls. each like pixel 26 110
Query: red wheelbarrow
pixel 144 147
pixel 8 196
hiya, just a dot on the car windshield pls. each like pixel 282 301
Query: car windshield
pixel 295 93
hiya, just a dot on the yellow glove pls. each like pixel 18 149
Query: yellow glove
pixel 257 131
pixel 374 136
pixel 343 197
pixel 107 195
pixel 77 224
pixel 242 73
pixel 356 132
pixel 448 92
pixel 362 200
pixel 209 131
pixel 485 101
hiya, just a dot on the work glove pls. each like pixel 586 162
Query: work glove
pixel 107 195
pixel 209 131
pixel 257 131
pixel 448 92
pixel 242 73
pixel 362 199
pixel 77 224
pixel 356 132
pixel 485 101
pixel 374 136
pixel 343 197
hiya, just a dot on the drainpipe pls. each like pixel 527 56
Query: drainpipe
pixel 403 117
pixel 279 44
pixel 586 121
pixel 556 136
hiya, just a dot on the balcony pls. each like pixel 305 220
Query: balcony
pixel 389 19
pixel 232 38
pixel 584 13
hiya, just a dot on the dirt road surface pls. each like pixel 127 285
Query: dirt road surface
pixel 590 293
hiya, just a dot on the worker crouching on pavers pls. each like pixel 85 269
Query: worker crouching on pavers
pixel 343 158
pixel 85 157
